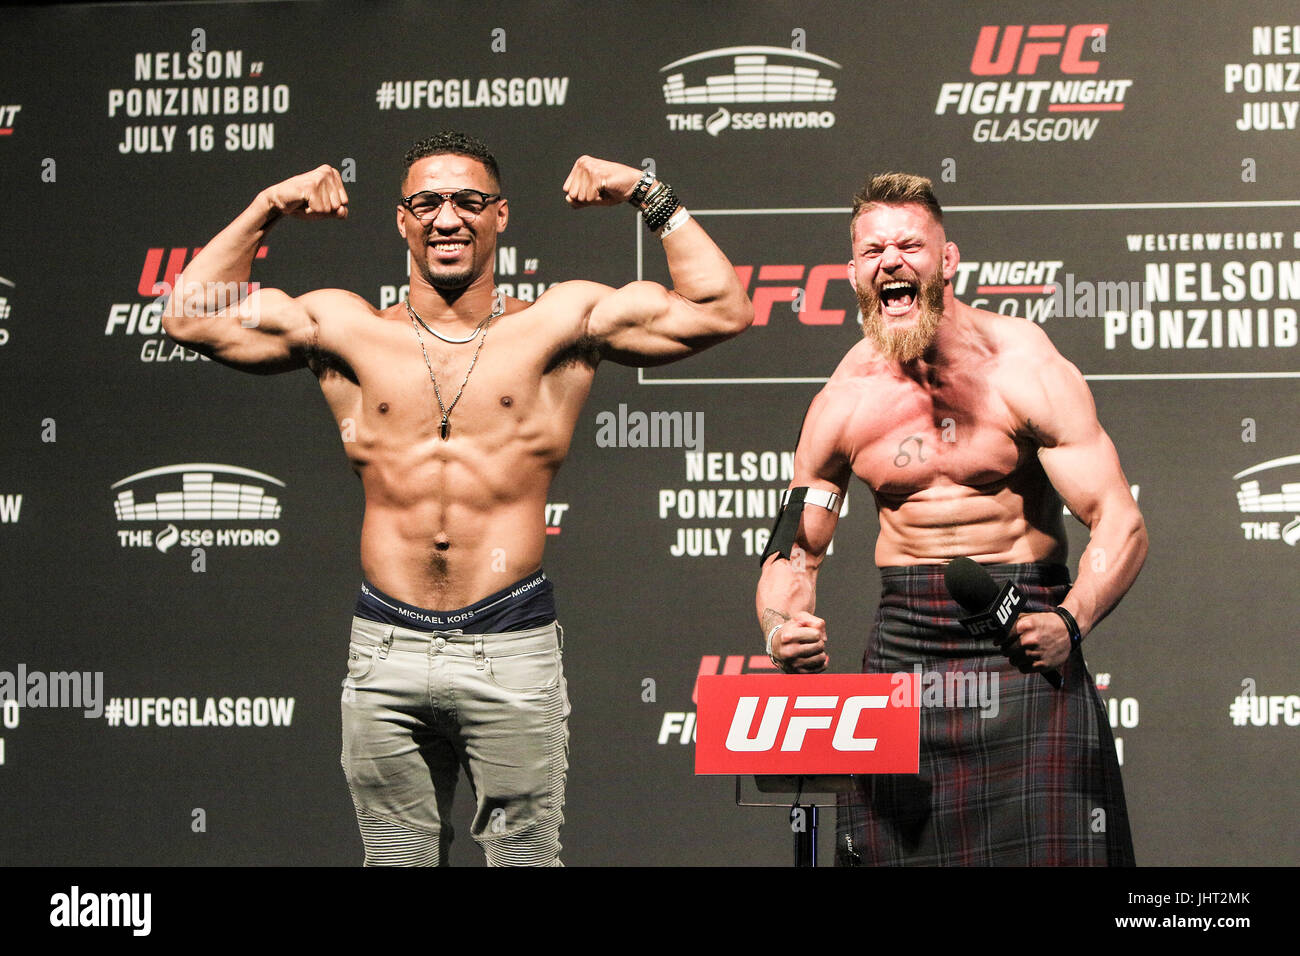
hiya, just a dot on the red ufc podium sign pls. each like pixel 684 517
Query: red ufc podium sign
pixel 808 724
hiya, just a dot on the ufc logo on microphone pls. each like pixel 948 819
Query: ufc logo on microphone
pixel 808 723
pixel 1004 609
pixel 738 739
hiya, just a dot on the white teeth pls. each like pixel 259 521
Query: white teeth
pixel 897 284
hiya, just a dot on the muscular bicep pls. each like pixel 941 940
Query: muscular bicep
pixel 267 331
pixel 644 324
pixel 821 464
pixel 1086 473
pixel 788 583
pixel 1077 455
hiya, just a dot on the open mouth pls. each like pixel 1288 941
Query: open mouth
pixel 448 248
pixel 897 296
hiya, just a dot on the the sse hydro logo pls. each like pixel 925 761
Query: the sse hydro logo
pixel 760 75
pixel 207 494
pixel 1054 67
pixel 1253 499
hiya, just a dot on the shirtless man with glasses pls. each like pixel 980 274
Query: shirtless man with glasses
pixel 461 405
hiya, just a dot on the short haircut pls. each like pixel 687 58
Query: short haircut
pixel 896 189
pixel 456 143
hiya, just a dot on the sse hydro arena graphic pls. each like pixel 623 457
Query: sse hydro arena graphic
pixel 755 79
pixel 759 75
pixel 151 496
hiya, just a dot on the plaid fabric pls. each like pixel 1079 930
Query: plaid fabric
pixel 1037 784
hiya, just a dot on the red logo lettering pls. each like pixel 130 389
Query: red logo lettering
pixel 1044 40
pixel 808 723
pixel 814 293
pixel 153 276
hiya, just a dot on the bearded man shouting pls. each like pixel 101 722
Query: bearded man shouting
pixel 971 429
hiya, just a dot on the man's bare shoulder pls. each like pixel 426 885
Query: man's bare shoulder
pixel 1017 347
pixel 343 323
pixel 834 407
pixel 558 319
pixel 337 305
pixel 856 364
pixel 571 300
pixel 861 368
pixel 856 388
pixel 1014 336
pixel 1038 383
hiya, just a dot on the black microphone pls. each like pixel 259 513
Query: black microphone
pixel 993 610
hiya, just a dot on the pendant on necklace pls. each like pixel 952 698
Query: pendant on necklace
pixel 445 430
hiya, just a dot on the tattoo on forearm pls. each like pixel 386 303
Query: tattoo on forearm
pixel 771 618
pixel 906 456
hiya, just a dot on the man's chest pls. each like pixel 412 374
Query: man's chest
pixel 401 384
pixel 903 438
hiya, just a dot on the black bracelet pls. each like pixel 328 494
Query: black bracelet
pixel 661 208
pixel 1071 625
pixel 641 188
pixel 652 193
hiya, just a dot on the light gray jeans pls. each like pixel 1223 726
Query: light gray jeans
pixel 418 705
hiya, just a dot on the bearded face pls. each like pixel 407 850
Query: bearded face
pixel 892 298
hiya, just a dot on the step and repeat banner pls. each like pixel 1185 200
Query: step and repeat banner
pixel 179 541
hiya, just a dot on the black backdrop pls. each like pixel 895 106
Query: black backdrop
pixel 1158 181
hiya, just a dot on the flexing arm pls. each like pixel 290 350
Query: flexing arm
pixel 643 323
pixel 1080 461
pixel 787 589
pixel 211 309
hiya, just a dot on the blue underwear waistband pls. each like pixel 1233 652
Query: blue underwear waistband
pixel 528 603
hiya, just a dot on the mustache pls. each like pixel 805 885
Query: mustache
pixel 906 344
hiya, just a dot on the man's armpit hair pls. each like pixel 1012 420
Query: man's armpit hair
pixel 585 351
pixel 1040 438
pixel 323 364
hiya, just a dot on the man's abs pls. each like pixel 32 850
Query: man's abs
pixel 1005 525
pixel 445 555
pixel 453 516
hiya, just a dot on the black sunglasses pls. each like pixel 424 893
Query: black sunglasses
pixel 426 205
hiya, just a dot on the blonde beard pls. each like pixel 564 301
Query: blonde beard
pixel 907 344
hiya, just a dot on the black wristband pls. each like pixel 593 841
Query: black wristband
pixel 1071 625
pixel 660 208
pixel 641 188
pixel 652 193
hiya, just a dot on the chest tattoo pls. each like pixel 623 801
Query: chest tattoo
pixel 904 457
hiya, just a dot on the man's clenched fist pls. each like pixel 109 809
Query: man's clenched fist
pixel 1037 642
pixel 318 194
pixel 799 645
pixel 598 182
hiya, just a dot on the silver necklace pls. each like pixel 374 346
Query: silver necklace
pixel 444 429
pixel 498 308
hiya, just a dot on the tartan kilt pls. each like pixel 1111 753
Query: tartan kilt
pixel 1022 787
